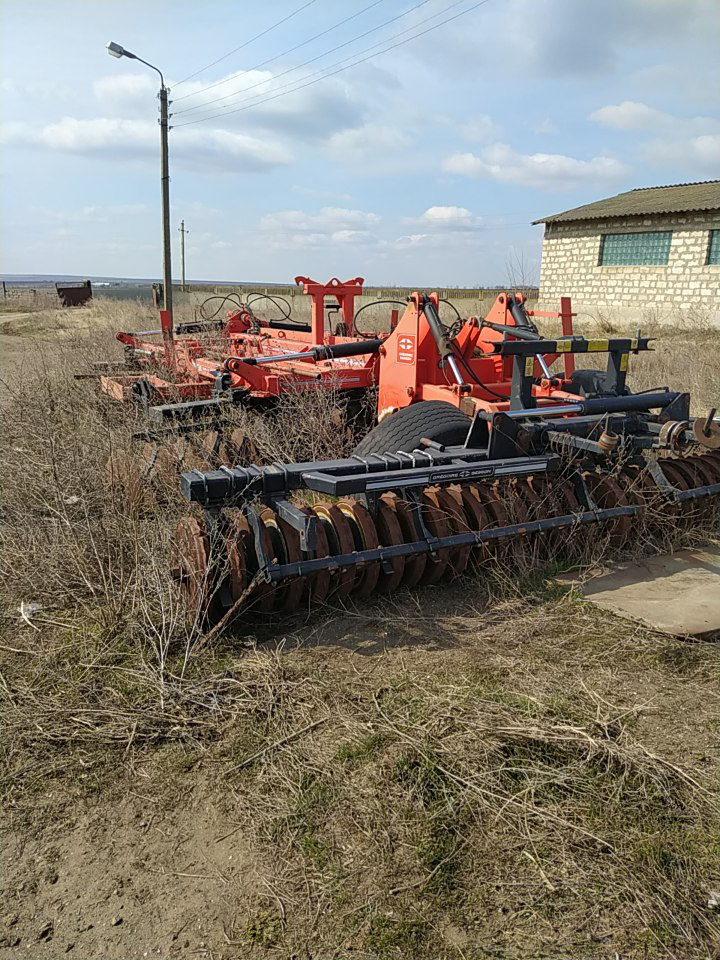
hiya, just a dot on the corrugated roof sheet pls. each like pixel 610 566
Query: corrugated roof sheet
pixel 676 198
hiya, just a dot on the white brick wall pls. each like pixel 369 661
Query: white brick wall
pixel 686 284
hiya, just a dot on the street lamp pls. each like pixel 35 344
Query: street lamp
pixel 115 50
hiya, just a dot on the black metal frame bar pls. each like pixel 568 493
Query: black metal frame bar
pixel 528 348
pixel 272 572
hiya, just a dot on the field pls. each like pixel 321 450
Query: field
pixel 484 769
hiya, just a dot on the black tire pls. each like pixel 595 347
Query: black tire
pixel 590 383
pixel 434 419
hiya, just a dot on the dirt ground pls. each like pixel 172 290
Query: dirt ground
pixel 156 852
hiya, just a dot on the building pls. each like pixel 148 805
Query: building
pixel 654 251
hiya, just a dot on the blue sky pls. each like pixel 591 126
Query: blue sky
pixel 423 165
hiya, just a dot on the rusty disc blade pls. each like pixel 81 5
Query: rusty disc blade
pixel 286 544
pixel 389 534
pixel 266 596
pixel 198 579
pixel 340 541
pixel 365 537
pixel 236 536
pixel 450 500
pixel 607 493
pixel 439 526
pixel 477 519
pixel 414 564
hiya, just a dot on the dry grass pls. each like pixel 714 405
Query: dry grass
pixel 28 301
pixel 684 356
pixel 490 769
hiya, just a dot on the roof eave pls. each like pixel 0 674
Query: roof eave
pixel 561 218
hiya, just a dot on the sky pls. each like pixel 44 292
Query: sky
pixel 410 143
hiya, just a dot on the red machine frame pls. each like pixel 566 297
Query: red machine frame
pixel 187 368
pixel 256 360
pixel 410 372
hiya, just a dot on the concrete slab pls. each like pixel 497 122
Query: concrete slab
pixel 678 593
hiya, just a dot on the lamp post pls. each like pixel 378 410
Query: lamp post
pixel 115 50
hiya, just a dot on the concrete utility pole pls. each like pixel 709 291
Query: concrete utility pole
pixel 115 50
pixel 165 187
pixel 183 231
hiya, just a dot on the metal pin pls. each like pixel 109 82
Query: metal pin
pixel 709 422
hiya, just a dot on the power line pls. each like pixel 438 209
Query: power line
pixel 297 46
pixel 287 86
pixel 202 106
pixel 248 42
pixel 332 73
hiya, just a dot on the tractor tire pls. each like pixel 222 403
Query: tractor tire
pixel 590 383
pixel 433 419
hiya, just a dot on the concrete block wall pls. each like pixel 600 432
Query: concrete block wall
pixel 687 285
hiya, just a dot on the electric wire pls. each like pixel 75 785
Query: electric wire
pixel 257 36
pixel 325 53
pixel 278 56
pixel 330 70
pixel 394 46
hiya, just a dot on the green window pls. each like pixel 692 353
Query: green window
pixel 714 247
pixel 635 249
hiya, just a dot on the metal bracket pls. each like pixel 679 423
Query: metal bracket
pixel 305 525
pixel 662 481
pixel 584 495
pixel 256 525
pixel 478 434
pixel 677 409
pixel 503 437
pixel 413 497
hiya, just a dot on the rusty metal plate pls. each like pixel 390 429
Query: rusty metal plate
pixel 678 593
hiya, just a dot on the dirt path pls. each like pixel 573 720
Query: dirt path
pixel 137 875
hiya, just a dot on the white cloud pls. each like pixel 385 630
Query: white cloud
pixel 630 115
pixel 91 213
pixel 316 111
pixel 543 126
pixel 692 143
pixel 447 215
pixel 137 139
pixel 448 220
pixel 414 240
pixel 700 156
pixel 37 89
pixel 635 117
pixel 321 194
pixel 352 236
pixel 103 214
pixel 481 128
pixel 298 228
pixel 553 171
pixel 135 90
pixel 326 219
pixel 369 142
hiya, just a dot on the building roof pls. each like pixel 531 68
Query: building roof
pixel 676 198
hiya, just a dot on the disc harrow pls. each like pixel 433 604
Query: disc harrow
pixel 278 539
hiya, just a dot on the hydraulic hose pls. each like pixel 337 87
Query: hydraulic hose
pixel 444 346
pixel 330 352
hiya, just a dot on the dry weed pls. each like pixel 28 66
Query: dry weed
pixel 495 805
